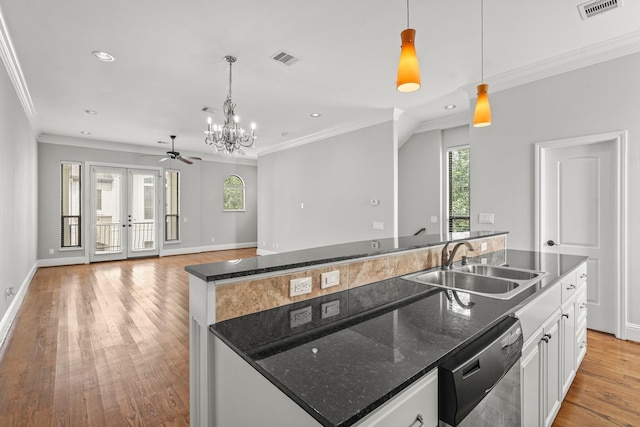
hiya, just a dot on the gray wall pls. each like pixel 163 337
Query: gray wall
pixel 200 200
pixel 420 183
pixel 18 193
pixel 335 179
pixel 592 100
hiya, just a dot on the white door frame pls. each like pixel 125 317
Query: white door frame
pixel 87 200
pixel 620 209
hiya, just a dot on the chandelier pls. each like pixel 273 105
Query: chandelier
pixel 229 138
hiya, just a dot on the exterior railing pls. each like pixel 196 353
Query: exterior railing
pixel 109 236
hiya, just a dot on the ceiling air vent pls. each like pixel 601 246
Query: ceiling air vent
pixel 597 7
pixel 285 58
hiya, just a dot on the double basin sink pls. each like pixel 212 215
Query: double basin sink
pixel 492 281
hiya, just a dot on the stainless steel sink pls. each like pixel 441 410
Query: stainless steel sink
pixel 481 279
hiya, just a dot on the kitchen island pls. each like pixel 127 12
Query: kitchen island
pixel 335 359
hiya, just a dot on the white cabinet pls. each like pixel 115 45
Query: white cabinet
pixel 555 343
pixel 417 406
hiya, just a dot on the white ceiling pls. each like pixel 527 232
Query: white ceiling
pixel 170 61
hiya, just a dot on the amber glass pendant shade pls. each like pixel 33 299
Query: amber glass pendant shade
pixel 482 115
pixel 408 68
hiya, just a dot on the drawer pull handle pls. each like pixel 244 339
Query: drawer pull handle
pixel 419 420
pixel 565 315
pixel 583 276
pixel 546 337
pixel 571 286
pixel 583 305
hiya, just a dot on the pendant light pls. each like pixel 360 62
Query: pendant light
pixel 482 114
pixel 408 68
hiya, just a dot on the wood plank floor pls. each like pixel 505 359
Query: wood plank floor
pixel 606 390
pixel 106 344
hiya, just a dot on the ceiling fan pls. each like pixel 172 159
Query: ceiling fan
pixel 174 155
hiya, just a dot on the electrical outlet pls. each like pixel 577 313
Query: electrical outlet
pixel 300 316
pixel 332 278
pixel 10 292
pixel 50 251
pixel 300 286
pixel 378 225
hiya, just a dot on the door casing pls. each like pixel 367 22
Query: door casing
pixel 619 139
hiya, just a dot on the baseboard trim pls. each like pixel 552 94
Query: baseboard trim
pixel 212 248
pixel 265 252
pixel 633 332
pixel 12 311
pixel 56 262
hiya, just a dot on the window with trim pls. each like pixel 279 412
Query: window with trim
pixel 459 194
pixel 70 205
pixel 172 205
pixel 233 193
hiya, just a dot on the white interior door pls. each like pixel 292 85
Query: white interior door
pixel 578 209
pixel 124 206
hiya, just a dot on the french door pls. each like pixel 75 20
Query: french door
pixel 124 210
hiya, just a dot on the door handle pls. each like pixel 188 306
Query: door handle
pixel 552 243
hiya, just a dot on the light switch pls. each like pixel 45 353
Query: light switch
pixel 332 278
pixel 485 218
pixel 434 219
pixel 378 225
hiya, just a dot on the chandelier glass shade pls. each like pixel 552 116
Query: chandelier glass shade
pixel 229 138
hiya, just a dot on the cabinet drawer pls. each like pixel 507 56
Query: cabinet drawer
pixel 539 310
pixel 420 398
pixel 581 275
pixel 581 343
pixel 581 304
pixel 569 285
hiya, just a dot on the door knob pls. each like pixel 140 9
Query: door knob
pixel 552 243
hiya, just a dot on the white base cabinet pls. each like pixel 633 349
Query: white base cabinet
pixel 553 348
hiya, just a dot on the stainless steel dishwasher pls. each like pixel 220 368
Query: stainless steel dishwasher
pixel 480 385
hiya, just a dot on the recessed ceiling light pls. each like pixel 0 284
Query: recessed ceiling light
pixel 84 132
pixel 449 107
pixel 315 114
pixel 91 112
pixel 103 56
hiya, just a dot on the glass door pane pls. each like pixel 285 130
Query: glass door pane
pixel 108 225
pixel 143 213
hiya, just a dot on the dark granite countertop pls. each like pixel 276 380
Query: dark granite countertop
pixel 322 255
pixel 386 336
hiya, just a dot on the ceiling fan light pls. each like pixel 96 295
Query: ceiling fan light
pixel 482 114
pixel 408 68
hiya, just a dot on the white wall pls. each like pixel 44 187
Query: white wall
pixel 200 200
pixel 592 100
pixel 335 179
pixel 18 195
pixel 420 183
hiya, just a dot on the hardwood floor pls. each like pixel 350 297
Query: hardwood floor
pixel 606 389
pixel 106 344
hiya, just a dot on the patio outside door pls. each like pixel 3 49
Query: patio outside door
pixel 124 206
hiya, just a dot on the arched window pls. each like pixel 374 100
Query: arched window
pixel 233 193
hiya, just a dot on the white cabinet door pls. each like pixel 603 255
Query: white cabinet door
pixel 568 338
pixel 551 351
pixel 530 380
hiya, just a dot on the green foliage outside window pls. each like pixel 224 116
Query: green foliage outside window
pixel 459 191
pixel 233 197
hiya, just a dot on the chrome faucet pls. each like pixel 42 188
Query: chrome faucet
pixel 447 257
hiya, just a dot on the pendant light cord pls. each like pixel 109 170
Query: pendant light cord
pixel 482 41
pixel 408 14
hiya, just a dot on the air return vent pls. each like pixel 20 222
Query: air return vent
pixel 285 58
pixel 597 7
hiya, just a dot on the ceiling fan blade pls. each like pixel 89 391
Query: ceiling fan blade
pixel 163 159
pixel 182 159
pixel 192 158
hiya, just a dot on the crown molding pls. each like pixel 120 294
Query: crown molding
pixel 137 149
pixel 12 65
pixel 446 122
pixel 579 58
pixel 386 115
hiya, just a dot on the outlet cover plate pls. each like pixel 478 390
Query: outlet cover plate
pixel 300 286
pixel 329 279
